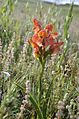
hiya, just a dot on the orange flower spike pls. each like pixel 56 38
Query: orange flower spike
pixel 43 38
pixel 49 27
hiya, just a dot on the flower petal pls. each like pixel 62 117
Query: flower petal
pixel 49 27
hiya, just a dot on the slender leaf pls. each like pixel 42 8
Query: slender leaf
pixel 36 106
pixel 68 21
pixel 46 100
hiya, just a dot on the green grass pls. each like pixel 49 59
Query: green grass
pixel 33 5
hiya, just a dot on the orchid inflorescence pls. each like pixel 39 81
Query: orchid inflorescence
pixel 44 41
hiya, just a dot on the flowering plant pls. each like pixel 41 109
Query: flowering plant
pixel 44 41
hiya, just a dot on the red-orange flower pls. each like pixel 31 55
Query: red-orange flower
pixel 42 34
pixel 35 48
pixel 37 25
pixel 49 27
pixel 36 39
pixel 33 44
pixel 55 35
pixel 56 47
pixel 43 41
pixel 49 41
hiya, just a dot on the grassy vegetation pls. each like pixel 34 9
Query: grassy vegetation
pixel 20 71
pixel 32 5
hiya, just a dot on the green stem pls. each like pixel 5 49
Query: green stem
pixel 40 81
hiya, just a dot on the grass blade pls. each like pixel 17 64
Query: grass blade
pixel 36 106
